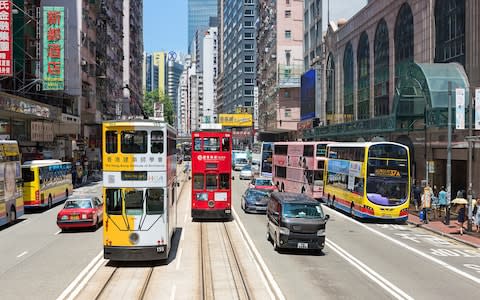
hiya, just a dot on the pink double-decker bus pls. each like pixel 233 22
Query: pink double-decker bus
pixel 298 167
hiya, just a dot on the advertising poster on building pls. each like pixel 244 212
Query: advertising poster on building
pixel 477 109
pixel 236 120
pixel 53 48
pixel 5 38
pixel 460 108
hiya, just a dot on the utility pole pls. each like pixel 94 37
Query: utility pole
pixel 471 110
pixel 449 152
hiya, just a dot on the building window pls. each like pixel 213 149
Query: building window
pixel 248 80
pixel 248 35
pixel 248 23
pixel 288 13
pixel 248 46
pixel 288 34
pixel 381 70
pixel 330 78
pixel 248 69
pixel 348 83
pixel 248 58
pixel 450 31
pixel 363 92
pixel 287 2
pixel 288 112
pixel 286 94
pixel 248 12
pixel 404 35
pixel 288 55
pixel 248 92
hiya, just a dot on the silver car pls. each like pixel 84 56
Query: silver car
pixel 246 172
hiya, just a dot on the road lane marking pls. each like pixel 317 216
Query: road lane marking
pixel 185 219
pixel 374 276
pixel 172 294
pixel 86 279
pixel 179 258
pixel 414 250
pixel 22 254
pixel 273 289
pixel 57 232
pixel 74 283
pixel 182 235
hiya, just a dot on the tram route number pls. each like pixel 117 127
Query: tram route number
pixel 455 253
pixel 160 249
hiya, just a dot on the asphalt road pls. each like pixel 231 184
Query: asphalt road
pixel 39 262
pixel 369 261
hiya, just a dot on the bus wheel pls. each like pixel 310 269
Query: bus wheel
pixel 12 216
pixel 50 201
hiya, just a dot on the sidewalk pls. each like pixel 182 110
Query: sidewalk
pixel 450 231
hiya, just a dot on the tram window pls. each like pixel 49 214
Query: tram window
pixel 134 202
pixel 198 181
pixel 114 201
pixel 211 144
pixel 211 182
pixel 308 150
pixel 112 141
pixel 157 142
pixel 155 201
pixel 197 144
pixel 225 144
pixel 134 142
pixel 224 181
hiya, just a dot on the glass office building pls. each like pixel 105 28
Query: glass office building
pixel 199 13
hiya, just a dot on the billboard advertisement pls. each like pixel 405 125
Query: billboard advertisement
pixel 236 120
pixel 53 48
pixel 460 108
pixel 307 95
pixel 6 38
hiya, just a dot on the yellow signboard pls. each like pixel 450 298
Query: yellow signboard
pixel 236 120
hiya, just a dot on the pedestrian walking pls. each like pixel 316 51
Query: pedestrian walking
pixel 416 196
pixel 426 202
pixel 442 201
pixel 461 217
pixel 477 214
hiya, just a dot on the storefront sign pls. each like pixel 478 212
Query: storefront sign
pixel 460 108
pixel 307 124
pixel 53 48
pixel 236 120
pixel 24 106
pixel 5 38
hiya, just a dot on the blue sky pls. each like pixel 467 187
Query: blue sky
pixel 165 25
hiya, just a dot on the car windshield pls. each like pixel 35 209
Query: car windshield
pixel 78 204
pixel 256 194
pixel 263 182
pixel 247 168
pixel 308 211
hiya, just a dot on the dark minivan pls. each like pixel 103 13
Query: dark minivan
pixel 295 221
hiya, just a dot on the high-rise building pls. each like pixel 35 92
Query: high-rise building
pixel 239 46
pixel 174 71
pixel 279 65
pixel 207 67
pixel 160 60
pixel 199 13
pixel 151 74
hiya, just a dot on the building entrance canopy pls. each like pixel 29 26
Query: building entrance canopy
pixel 423 89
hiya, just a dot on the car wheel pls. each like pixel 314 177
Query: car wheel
pixel 269 237
pixel 275 245
pixel 12 216
pixel 50 202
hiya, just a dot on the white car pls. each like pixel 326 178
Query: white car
pixel 246 172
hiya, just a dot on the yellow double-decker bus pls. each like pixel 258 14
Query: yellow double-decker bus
pixel 11 200
pixel 368 180
pixel 46 182
pixel 139 189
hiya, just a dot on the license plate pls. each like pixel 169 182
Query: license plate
pixel 160 249
pixel 302 245
pixel 74 217
pixel 227 211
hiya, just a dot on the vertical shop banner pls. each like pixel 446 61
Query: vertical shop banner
pixel 53 48
pixel 460 108
pixel 6 38
pixel 477 109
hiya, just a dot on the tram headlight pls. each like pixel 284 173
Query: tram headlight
pixel 321 232
pixel 134 238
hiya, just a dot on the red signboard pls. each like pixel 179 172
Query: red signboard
pixel 5 38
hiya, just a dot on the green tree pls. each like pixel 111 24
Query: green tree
pixel 155 96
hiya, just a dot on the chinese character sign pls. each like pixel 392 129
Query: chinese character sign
pixel 53 48
pixel 460 108
pixel 5 38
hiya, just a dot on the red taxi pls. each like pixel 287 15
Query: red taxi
pixel 262 183
pixel 80 213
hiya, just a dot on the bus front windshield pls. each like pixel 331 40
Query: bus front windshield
pixel 387 191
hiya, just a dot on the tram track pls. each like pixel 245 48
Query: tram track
pixel 115 277
pixel 209 280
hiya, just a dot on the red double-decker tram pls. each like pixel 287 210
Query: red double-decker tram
pixel 211 174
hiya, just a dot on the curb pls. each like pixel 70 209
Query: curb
pixel 448 235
